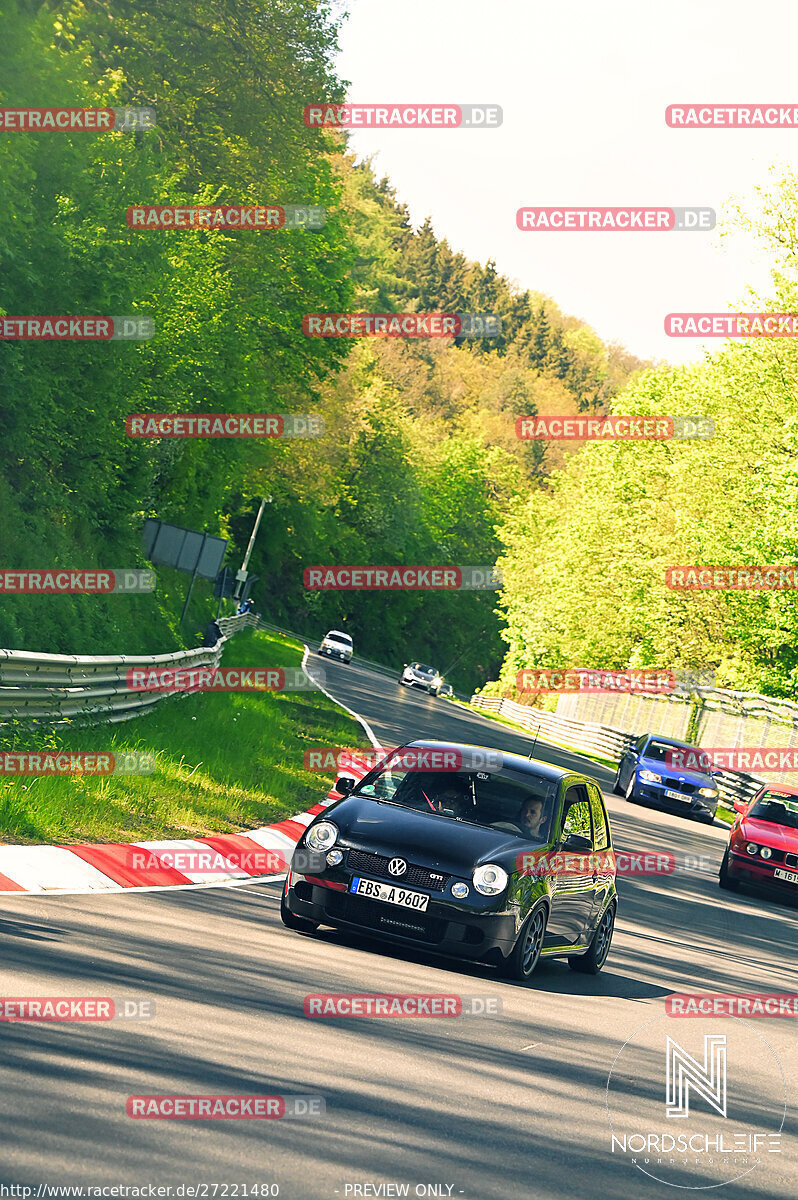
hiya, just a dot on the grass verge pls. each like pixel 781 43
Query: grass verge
pixel 226 762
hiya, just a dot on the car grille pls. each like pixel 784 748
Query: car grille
pixel 679 785
pixel 791 860
pixel 386 917
pixel 414 876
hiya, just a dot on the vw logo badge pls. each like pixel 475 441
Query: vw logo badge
pixel 397 866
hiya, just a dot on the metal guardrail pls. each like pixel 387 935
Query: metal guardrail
pixel 603 740
pixel 60 689
pixel 597 739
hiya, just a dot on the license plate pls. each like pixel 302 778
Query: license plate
pixel 389 893
pixel 674 795
pixel 792 876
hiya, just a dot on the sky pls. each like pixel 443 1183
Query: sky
pixel 584 85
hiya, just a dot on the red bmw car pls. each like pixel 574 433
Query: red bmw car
pixel 763 846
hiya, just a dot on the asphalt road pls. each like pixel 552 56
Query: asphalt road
pixel 494 1106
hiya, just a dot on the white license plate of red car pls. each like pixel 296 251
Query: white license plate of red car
pixel 790 876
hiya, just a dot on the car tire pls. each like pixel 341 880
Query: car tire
pixel 724 878
pixel 595 957
pixel 522 961
pixel 616 783
pixel 298 924
pixel 630 789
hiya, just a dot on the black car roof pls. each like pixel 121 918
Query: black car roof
pixel 516 762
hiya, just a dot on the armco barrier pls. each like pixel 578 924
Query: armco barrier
pixel 60 689
pixel 602 740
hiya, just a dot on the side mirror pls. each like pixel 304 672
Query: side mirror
pixel 344 784
pixel 577 843
pixel 741 806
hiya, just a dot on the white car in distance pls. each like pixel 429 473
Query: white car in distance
pixel 336 644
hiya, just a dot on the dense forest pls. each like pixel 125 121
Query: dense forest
pixel 419 463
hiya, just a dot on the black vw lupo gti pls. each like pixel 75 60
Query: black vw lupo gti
pixel 495 858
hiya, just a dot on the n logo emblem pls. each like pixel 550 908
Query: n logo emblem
pixel 707 1081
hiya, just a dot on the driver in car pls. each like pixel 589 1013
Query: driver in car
pixel 532 818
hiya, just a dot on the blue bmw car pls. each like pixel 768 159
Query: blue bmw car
pixel 651 771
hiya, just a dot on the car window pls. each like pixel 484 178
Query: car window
pixel 640 743
pixel 577 816
pixel 776 808
pixel 661 751
pixel 601 836
pixel 522 806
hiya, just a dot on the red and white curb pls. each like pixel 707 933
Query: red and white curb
pixel 110 867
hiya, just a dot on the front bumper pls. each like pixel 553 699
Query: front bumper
pixel 446 927
pixel 419 683
pixel 693 804
pixel 341 654
pixel 745 868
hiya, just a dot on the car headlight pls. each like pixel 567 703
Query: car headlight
pixel 649 776
pixel 765 851
pixel 322 836
pixel 490 879
pixel 437 681
pixel 708 791
pixel 751 848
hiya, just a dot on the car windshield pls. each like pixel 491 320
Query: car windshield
pixel 776 808
pixel 422 669
pixel 340 637
pixel 662 751
pixel 512 802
